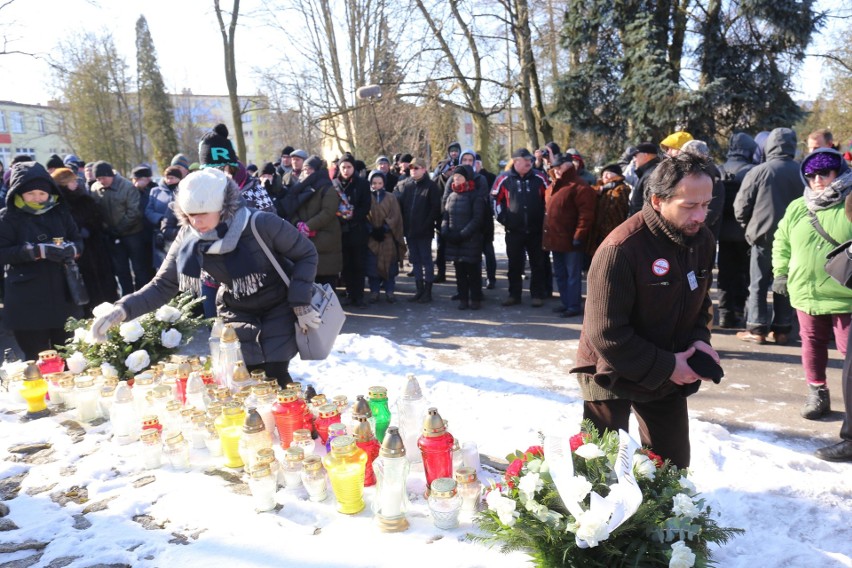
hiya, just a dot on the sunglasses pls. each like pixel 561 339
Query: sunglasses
pixel 412 168
pixel 821 173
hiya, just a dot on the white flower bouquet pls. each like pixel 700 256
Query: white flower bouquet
pixel 134 345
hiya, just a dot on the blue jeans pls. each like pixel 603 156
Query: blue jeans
pixel 420 255
pixel 759 317
pixel 568 271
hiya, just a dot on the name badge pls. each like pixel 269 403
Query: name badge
pixel 693 281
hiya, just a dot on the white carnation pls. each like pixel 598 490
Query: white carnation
pixel 576 489
pixel 592 526
pixel 683 506
pixel 102 309
pixel 687 485
pixel 137 360
pixel 77 363
pixel 131 331
pixel 107 370
pixel 529 484
pixel 81 334
pixel 167 314
pixel 682 556
pixel 503 506
pixel 644 466
pixel 589 451
pixel 170 338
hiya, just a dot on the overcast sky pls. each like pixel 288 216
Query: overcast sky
pixel 187 39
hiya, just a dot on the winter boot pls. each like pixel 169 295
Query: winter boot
pixel 817 404
pixel 427 293
pixel 420 289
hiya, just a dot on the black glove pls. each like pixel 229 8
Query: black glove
pixel 779 285
pixel 53 253
pixel 378 234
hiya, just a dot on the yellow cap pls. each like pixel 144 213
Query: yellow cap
pixel 676 140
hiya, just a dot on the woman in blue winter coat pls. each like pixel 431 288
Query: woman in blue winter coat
pixel 159 213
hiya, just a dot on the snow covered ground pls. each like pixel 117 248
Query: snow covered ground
pixel 797 510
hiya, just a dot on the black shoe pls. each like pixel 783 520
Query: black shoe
pixel 491 284
pixel 510 301
pixel 817 404
pixel 559 309
pixel 840 452
pixel 440 279
pixel 463 305
pixel 427 293
pixel 570 313
pixel 454 297
pixel 475 304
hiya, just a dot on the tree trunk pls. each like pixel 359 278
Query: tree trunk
pixel 231 73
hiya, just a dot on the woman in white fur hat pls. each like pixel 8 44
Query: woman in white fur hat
pixel 216 239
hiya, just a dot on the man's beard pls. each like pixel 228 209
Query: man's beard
pixel 677 231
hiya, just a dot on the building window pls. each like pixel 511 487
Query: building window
pixel 3 126
pixel 16 120
pixel 6 156
pixel 40 124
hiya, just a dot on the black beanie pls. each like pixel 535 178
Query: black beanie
pixel 141 172
pixel 614 168
pixel 406 158
pixel 346 157
pixel 287 150
pixel 314 162
pixel 215 149
pixel 103 169
pixel 268 169
pixel 466 171
pixel 55 162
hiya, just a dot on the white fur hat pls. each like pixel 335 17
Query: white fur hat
pixel 202 191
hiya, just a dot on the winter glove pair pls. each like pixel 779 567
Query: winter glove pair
pixel 378 234
pixel 103 324
pixel 55 253
pixel 307 317
pixel 779 285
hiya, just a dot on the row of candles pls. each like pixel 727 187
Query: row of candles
pixel 181 406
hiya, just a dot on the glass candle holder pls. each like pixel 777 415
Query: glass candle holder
pixel 470 455
pixel 254 438
pixel 302 439
pixel 411 409
pixel 365 440
pixel 292 468
pixel 379 407
pixel 143 383
pixel 230 428
pixel 33 390
pixel 328 415
pixel 346 465
pixel 314 479
pixel 436 447
pixel 334 430
pixel 266 456
pixel 263 486
pixel 50 362
pixel 152 449
pixel 122 415
pixel 469 488
pixel 176 449
pixel 445 503
pixel 86 395
pixel 391 469
pixel 289 414
pixel 106 399
pixel 211 439
pixel 198 430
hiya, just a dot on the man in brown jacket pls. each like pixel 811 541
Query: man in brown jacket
pixel 647 311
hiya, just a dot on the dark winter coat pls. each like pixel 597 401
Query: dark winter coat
pixel 420 202
pixel 357 190
pixel 637 198
pixel 94 263
pixel 641 309
pixel 37 296
pixel 160 214
pixel 461 227
pixel 264 320
pixel 483 189
pixel 444 169
pixel 119 206
pixel 769 188
pixel 713 221
pixel 733 171
pixel 570 213
pixel 519 201
pixel 610 212
pixel 314 201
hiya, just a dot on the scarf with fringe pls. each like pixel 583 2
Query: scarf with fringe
pixel 223 240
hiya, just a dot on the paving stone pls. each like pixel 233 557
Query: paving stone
pixel 143 481
pixel 10 486
pixel 81 523
pixel 9 547
pixel 97 506
pixel 29 448
pixel 36 490
pixel 7 525
pixel 4 509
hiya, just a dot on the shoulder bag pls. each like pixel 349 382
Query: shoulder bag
pixel 316 344
pixel 838 263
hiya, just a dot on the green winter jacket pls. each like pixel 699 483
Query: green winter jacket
pixel 799 252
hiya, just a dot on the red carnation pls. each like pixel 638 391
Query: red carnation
pixel 514 470
pixel 536 451
pixel 577 440
pixel 658 461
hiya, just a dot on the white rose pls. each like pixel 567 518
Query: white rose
pixel 684 507
pixel 77 363
pixel 592 526
pixel 589 451
pixel 102 309
pixel 682 556
pixel 503 506
pixel 131 331
pixel 170 338
pixel 529 484
pixel 576 489
pixel 167 314
pixel 80 335
pixel 137 361
pixel 687 485
pixel 643 466
pixel 107 370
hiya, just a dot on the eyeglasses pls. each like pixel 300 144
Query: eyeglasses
pixel 412 168
pixel 821 173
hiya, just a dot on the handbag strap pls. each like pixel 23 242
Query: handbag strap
pixel 818 228
pixel 268 252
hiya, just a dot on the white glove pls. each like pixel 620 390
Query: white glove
pixel 103 324
pixel 308 317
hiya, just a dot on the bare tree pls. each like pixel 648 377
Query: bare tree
pixel 228 39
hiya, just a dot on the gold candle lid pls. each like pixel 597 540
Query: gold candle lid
pixel 150 420
pixel 174 439
pixel 150 437
pixel 433 424
pixel 83 382
pixel 343 445
pixel 286 396
pixel 107 391
pixel 32 372
pixel 229 335
pixel 223 394
pixel 254 422
pixel 261 470
pixel 241 374
pixel 319 400
pixel 94 373
pixel 172 406
pixel 261 389
pixel 184 369
pixel 377 393
pixel 211 429
pixel 258 375
pixel 337 429
pixel 294 454
pixel 161 391
pixel 392 446
pixel 47 354
pixel 412 389
pixel 198 419
pixel 443 488
pixel 143 379
pixel 361 407
pixel 232 409
pixel 465 475
pixel 66 381
pixel 58 241
pixel 328 411
pixel 214 409
pixel 207 376
pixel 312 463
pixel 301 435
pixel 340 400
pixel 187 413
pixel 363 432
pixel 266 455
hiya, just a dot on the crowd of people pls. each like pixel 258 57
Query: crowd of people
pixel 761 218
